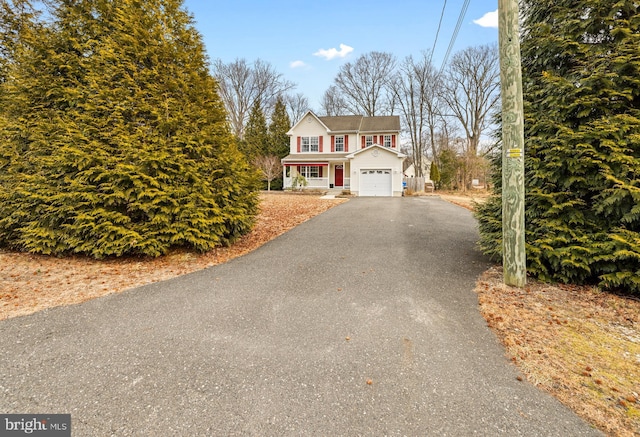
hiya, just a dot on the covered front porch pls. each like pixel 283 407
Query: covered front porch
pixel 316 175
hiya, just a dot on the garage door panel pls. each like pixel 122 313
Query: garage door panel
pixel 376 182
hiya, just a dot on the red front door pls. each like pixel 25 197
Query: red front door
pixel 339 182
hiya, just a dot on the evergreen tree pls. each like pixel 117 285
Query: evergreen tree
pixel 256 137
pixel 434 174
pixel 17 23
pixel 449 166
pixel 16 20
pixel 581 81
pixel 122 138
pixel 280 125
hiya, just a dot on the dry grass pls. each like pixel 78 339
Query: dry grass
pixel 467 199
pixel 578 343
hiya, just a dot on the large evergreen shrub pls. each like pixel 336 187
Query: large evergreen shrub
pixel 278 128
pixel 114 140
pixel 581 81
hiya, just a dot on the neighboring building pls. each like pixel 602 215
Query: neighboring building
pixel 410 171
pixel 351 152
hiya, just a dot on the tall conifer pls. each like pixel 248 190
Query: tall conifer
pixel 256 137
pixel 581 79
pixel 278 128
pixel 123 137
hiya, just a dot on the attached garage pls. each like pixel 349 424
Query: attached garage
pixel 376 182
pixel 376 171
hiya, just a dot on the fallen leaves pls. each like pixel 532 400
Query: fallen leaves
pixel 579 343
pixel 30 283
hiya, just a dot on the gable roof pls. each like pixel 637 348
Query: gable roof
pixel 355 123
pixel 305 116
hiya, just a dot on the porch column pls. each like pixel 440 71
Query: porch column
pixel 345 175
pixel 328 175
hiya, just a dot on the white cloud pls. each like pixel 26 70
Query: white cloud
pixel 490 19
pixel 334 53
pixel 297 64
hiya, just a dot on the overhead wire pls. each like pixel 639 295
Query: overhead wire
pixel 433 49
pixel 463 12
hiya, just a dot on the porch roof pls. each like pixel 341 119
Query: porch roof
pixel 305 158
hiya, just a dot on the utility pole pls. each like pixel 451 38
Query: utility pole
pixel 513 227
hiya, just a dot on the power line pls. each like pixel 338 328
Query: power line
pixel 463 12
pixel 433 49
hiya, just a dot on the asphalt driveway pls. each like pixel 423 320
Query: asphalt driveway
pixel 361 321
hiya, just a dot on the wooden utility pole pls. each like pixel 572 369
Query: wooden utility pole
pixel 513 227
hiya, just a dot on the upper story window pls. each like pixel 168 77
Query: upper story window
pixel 368 141
pixel 387 141
pixel 309 144
pixel 339 143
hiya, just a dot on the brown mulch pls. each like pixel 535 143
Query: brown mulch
pixel 30 283
pixel 578 343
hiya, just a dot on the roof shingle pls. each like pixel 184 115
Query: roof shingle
pixel 342 122
pixel 354 123
pixel 380 124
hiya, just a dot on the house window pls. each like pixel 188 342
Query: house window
pixel 309 144
pixel 387 141
pixel 368 141
pixel 310 171
pixel 339 143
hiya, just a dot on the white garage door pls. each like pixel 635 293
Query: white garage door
pixel 375 183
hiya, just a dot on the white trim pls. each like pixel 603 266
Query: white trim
pixel 310 144
pixel 383 175
pixel 290 133
pixel 386 149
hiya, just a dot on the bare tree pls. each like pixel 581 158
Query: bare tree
pixel 364 83
pixel 241 84
pixel 333 103
pixel 415 88
pixel 471 89
pixel 270 168
pixel 297 105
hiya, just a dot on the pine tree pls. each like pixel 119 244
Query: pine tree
pixel 256 137
pixel 280 125
pixel 434 174
pixel 581 80
pixel 123 141
pixel 448 170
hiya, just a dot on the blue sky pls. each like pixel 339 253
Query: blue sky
pixel 308 41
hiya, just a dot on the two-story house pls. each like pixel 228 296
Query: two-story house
pixel 351 152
